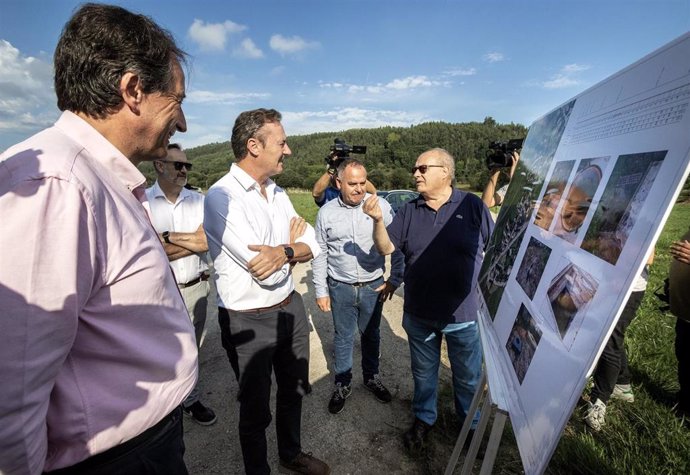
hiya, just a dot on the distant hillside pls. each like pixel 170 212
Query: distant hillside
pixel 391 152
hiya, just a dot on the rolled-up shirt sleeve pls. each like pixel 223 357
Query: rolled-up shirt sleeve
pixel 48 270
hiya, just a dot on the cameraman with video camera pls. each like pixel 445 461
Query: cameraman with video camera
pixel 325 188
pixel 502 158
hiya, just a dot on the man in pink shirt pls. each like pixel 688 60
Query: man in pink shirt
pixel 96 349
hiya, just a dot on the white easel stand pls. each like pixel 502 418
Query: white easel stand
pixel 494 439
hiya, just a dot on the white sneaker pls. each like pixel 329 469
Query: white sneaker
pixel 623 392
pixel 596 414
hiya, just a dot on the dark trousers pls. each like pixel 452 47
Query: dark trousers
pixel 612 367
pixel 257 344
pixel 157 451
pixel 683 356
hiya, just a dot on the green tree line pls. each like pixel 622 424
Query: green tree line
pixel 391 152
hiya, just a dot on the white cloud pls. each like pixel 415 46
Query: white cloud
pixel 493 57
pixel 306 122
pixel 461 72
pixel 395 85
pixel 412 82
pixel 292 45
pixel 248 49
pixel 573 68
pixel 566 77
pixel 207 97
pixel 560 81
pixel 212 36
pixel 27 100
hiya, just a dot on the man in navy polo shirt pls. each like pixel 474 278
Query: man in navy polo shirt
pixel 442 235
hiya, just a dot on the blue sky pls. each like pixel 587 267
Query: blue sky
pixel 339 64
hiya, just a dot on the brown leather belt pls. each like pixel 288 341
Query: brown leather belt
pixel 283 303
pixel 202 278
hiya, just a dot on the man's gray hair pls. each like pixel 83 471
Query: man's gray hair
pixel 348 162
pixel 447 160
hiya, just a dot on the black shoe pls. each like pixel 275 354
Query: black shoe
pixel 413 439
pixel 306 463
pixel 200 414
pixel 337 402
pixel 376 386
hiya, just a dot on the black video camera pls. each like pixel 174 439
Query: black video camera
pixel 500 154
pixel 340 151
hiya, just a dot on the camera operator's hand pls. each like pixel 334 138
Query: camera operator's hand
pixel 516 159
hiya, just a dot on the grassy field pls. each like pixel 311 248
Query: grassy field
pixel 646 436
pixel 640 438
pixel 304 204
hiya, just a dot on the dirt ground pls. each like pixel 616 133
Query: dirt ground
pixel 363 439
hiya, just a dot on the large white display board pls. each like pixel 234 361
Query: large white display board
pixel 596 181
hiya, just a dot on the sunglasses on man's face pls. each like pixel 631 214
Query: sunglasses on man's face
pixel 178 165
pixel 424 168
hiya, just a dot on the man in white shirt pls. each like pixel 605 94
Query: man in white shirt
pixel 178 214
pixel 254 237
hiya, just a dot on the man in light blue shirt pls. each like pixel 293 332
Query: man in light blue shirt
pixel 349 282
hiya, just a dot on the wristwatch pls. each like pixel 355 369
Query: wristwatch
pixel 289 252
pixel 166 236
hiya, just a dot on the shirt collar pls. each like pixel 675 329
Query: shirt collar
pixel 157 192
pixel 247 182
pixel 455 196
pixel 101 149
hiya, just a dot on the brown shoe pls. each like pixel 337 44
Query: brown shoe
pixel 306 463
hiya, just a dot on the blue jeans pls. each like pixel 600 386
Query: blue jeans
pixel 464 353
pixel 355 308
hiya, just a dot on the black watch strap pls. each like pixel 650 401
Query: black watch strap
pixel 166 236
pixel 289 252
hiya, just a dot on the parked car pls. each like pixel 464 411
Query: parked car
pixel 397 198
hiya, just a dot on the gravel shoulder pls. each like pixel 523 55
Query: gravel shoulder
pixel 363 439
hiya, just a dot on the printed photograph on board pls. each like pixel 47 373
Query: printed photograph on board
pixel 535 159
pixel 553 194
pixel 532 266
pixel 627 188
pixel 522 342
pixel 569 293
pixel 579 198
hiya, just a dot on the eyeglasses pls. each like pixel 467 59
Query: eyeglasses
pixel 423 168
pixel 178 165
